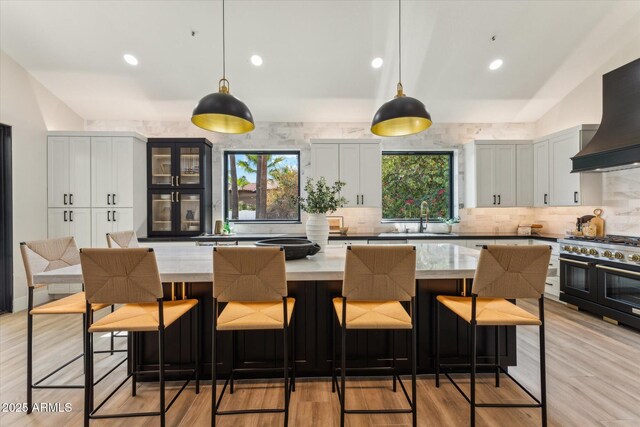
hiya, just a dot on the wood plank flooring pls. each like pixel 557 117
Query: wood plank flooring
pixel 593 380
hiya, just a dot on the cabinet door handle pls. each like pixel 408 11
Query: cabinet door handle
pixel 65 199
pixel 173 180
pixel 178 181
pixel 113 198
pixel 545 199
pixel 65 216
pixel 362 199
pixel 108 199
pixel 357 199
pixel 113 216
pixel 494 199
pixel 70 216
pixel 108 215
pixel 575 197
pixel 499 199
pixel 172 197
pixel 71 198
pixel 178 196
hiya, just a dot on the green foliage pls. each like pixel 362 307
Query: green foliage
pixel 279 204
pixel 408 180
pixel 242 182
pixel 449 221
pixel 321 198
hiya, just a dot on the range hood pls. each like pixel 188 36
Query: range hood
pixel 616 144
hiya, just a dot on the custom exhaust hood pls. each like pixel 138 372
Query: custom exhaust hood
pixel 616 144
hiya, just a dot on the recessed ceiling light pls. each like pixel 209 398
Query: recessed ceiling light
pixel 377 62
pixel 495 64
pixel 256 60
pixel 130 59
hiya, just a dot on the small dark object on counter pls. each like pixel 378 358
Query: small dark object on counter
pixel 293 248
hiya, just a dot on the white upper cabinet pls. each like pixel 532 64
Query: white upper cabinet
pixel 357 164
pixel 112 171
pixel 524 175
pixel 71 222
pixel 68 171
pixel 492 175
pixel 563 187
pixel 541 173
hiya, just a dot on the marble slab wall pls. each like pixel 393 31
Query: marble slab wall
pixel 621 198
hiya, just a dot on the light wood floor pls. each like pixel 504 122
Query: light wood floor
pixel 593 380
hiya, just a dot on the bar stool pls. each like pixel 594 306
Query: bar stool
pixel 123 239
pixel 130 277
pixel 46 255
pixel 503 272
pixel 376 280
pixel 253 283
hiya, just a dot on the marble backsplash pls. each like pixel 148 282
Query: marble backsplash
pixel 621 199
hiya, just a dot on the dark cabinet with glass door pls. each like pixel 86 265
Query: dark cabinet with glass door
pixel 179 186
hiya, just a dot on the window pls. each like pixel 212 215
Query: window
pixel 261 186
pixel 410 178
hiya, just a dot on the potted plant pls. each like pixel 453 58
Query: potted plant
pixel 321 199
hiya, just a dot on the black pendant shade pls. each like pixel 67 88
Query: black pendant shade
pixel 223 112
pixel 403 115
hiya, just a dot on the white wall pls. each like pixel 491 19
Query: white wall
pixel 31 110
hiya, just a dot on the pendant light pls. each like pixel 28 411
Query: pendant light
pixel 221 111
pixel 403 115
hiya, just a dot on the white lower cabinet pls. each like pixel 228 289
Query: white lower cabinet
pixel 109 221
pixel 479 243
pixel 69 222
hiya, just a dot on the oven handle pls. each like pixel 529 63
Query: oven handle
pixel 575 262
pixel 617 270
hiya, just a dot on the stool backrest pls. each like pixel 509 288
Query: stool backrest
pixel 249 274
pixel 120 276
pixel 512 271
pixel 46 255
pixel 123 239
pixel 380 273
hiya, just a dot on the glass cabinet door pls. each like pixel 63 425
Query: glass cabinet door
pixel 161 166
pixel 190 212
pixel 162 212
pixel 189 169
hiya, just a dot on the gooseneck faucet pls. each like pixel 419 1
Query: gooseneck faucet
pixel 424 213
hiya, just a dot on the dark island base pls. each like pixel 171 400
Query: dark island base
pixel 312 327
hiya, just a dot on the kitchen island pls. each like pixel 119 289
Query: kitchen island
pixel 187 272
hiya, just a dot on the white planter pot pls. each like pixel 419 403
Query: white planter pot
pixel 438 228
pixel 318 229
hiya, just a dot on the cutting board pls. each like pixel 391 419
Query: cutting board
pixel 598 222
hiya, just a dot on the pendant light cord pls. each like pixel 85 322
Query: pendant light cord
pixel 224 52
pixel 400 42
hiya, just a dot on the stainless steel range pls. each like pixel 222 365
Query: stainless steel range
pixel 602 275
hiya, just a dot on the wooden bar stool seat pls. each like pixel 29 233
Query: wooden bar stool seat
pixel 489 311
pixel 373 314
pixel 48 255
pixel 143 317
pixel 238 316
pixel 503 273
pixel 253 284
pixel 130 276
pixel 73 304
pixel 377 281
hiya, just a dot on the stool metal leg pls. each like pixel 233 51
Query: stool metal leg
pixel 543 370
pixel 414 362
pixel 198 349
pixel 393 357
pixel 473 361
pixel 437 343
pixel 333 354
pixel 497 337
pixel 343 357
pixel 134 363
pixel 214 407
pixel 161 361
pixel 30 353
pixel 285 335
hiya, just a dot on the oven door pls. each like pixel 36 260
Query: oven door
pixel 578 277
pixel 619 288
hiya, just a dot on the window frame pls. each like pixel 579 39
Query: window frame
pixel 225 186
pixel 452 169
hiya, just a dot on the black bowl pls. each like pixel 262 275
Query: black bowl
pixel 293 248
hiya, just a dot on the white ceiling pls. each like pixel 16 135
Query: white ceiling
pixel 316 55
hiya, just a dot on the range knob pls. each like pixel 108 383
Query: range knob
pixel 575 249
pixel 608 254
pixel 593 252
pixel 619 255
pixel 584 251
pixel 567 248
pixel 635 257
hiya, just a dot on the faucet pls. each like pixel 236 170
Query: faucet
pixel 424 213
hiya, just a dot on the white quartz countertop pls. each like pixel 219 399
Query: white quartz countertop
pixel 195 264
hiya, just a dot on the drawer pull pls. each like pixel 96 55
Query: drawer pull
pixel 574 261
pixel 618 270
